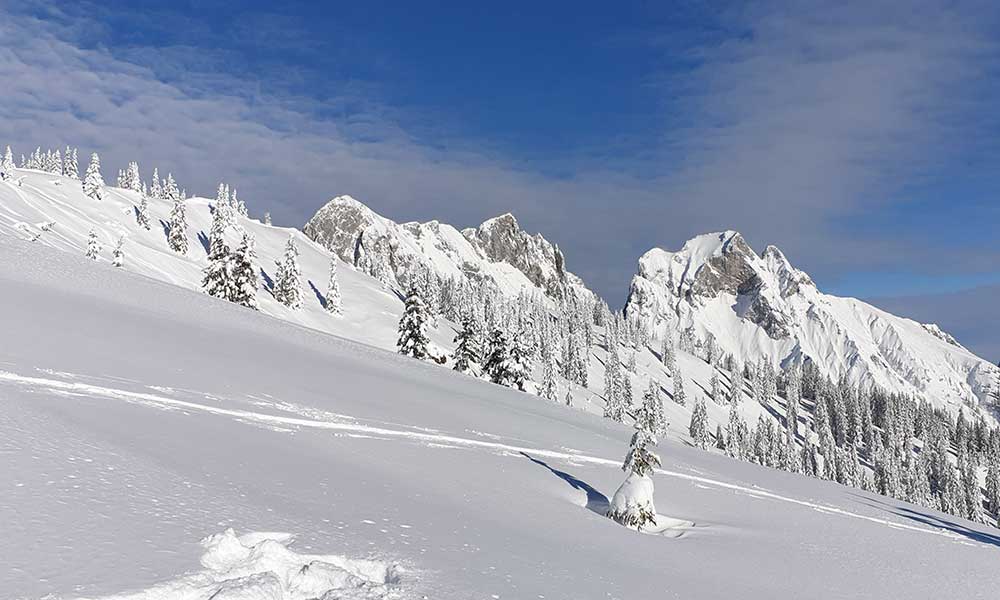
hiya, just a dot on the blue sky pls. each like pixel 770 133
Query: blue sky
pixel 860 138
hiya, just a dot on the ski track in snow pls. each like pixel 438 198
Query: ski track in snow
pixel 354 428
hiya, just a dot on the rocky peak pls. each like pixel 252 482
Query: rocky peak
pixel 388 250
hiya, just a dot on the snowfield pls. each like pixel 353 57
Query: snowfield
pixel 141 421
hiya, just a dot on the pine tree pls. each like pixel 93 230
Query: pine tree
pixel 155 187
pixel 549 389
pixel 133 179
pixel 652 408
pixel 614 380
pixel 698 427
pixel 7 166
pixel 244 272
pixel 679 396
pixel 413 327
pixel 169 191
pixel 93 246
pixel 287 287
pixel 118 255
pixel 667 353
pixel 569 396
pixel 715 384
pixel 720 438
pixel 993 483
pixel 333 303
pixel 142 212
pixel 499 366
pixel 736 434
pixel 466 356
pixel 177 236
pixel 218 280
pixel 93 183
pixel 267 218
pixel 632 504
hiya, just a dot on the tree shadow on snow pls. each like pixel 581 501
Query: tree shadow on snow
pixel 166 229
pixel 319 296
pixel 931 520
pixel 268 282
pixel 596 501
pixel 205 243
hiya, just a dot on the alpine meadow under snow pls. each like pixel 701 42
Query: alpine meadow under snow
pixel 199 404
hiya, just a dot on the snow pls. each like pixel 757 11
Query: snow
pixel 138 417
pixel 843 336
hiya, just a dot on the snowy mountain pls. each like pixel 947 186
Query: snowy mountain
pixel 141 420
pixel 498 250
pixel 761 307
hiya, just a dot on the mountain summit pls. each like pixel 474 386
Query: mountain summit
pixel 760 307
pixel 498 251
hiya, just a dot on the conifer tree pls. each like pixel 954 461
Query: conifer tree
pixel 218 278
pixel 132 179
pixel 267 218
pixel 698 428
pixel 177 236
pixel 169 190
pixel 93 246
pixel 142 212
pixel 499 367
pixel 720 438
pixel 715 385
pixel 413 327
pixel 667 353
pixel 287 287
pixel 632 505
pixel 93 183
pixel 333 302
pixel 614 382
pixel 679 396
pixel 993 483
pixel 549 389
pixel 244 272
pixel 569 396
pixel 155 187
pixel 652 408
pixel 7 166
pixel 118 255
pixel 467 356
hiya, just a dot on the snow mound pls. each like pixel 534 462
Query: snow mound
pixel 260 566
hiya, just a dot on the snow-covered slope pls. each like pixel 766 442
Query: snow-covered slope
pixel 498 250
pixel 140 420
pixel 763 307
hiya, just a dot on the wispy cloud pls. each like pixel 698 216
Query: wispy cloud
pixel 792 125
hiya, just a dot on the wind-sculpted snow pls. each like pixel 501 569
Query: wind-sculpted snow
pixel 261 566
pixel 761 307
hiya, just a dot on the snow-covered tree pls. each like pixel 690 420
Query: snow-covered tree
pixel 715 385
pixel 615 402
pixel 155 187
pixel 549 389
pixel 133 180
pixel 652 409
pixel 498 364
pixel 7 166
pixel 69 168
pixel 287 285
pixel 118 255
pixel 413 327
pixel 93 183
pixel 142 212
pixel 466 357
pixel 698 428
pixel 244 272
pixel 93 245
pixel 632 505
pixel 679 396
pixel 218 274
pixel 177 236
pixel 667 353
pixel 333 303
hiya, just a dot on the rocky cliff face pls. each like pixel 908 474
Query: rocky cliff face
pixel 760 306
pixel 498 250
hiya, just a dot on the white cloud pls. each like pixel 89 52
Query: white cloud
pixel 798 122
